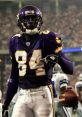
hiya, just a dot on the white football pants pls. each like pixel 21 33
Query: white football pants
pixel 34 103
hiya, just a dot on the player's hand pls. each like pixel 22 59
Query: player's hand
pixel 4 112
pixel 50 59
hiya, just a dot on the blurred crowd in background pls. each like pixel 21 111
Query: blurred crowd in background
pixel 61 16
pixel 68 21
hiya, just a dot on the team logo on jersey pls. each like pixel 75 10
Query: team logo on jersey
pixel 58 40
pixel 27 43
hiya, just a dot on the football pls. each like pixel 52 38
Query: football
pixel 69 98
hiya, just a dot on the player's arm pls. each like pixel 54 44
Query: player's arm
pixel 65 63
pixel 57 56
pixel 12 85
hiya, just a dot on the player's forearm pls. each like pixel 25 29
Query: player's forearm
pixel 66 65
pixel 11 90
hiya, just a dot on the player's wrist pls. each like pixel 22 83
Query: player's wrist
pixel 4 111
pixel 4 107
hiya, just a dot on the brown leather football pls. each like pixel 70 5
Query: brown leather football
pixel 69 98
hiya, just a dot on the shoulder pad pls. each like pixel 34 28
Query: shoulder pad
pixel 45 32
pixel 17 35
pixel 58 39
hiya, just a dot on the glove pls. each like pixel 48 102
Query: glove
pixel 4 112
pixel 69 98
pixel 50 60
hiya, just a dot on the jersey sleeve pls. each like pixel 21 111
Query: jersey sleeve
pixel 56 42
pixel 11 46
pixel 14 69
pixel 66 64
pixel 12 85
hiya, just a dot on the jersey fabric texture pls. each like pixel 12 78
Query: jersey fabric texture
pixel 28 71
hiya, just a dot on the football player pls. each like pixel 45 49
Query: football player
pixel 33 54
pixel 78 88
pixel 66 100
pixel 80 77
pixel 61 82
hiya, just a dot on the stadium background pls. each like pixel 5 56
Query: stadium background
pixel 61 16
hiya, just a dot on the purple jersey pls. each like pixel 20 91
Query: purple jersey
pixel 26 52
pixel 28 71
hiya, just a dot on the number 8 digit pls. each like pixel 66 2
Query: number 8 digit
pixel 21 57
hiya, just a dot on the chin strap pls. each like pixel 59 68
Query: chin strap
pixel 31 32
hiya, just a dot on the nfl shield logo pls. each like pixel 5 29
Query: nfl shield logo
pixel 27 43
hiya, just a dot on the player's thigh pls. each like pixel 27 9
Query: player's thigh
pixel 21 110
pixel 45 110
pixel 44 105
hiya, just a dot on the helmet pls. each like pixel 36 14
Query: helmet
pixel 80 77
pixel 61 80
pixel 78 86
pixel 29 19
